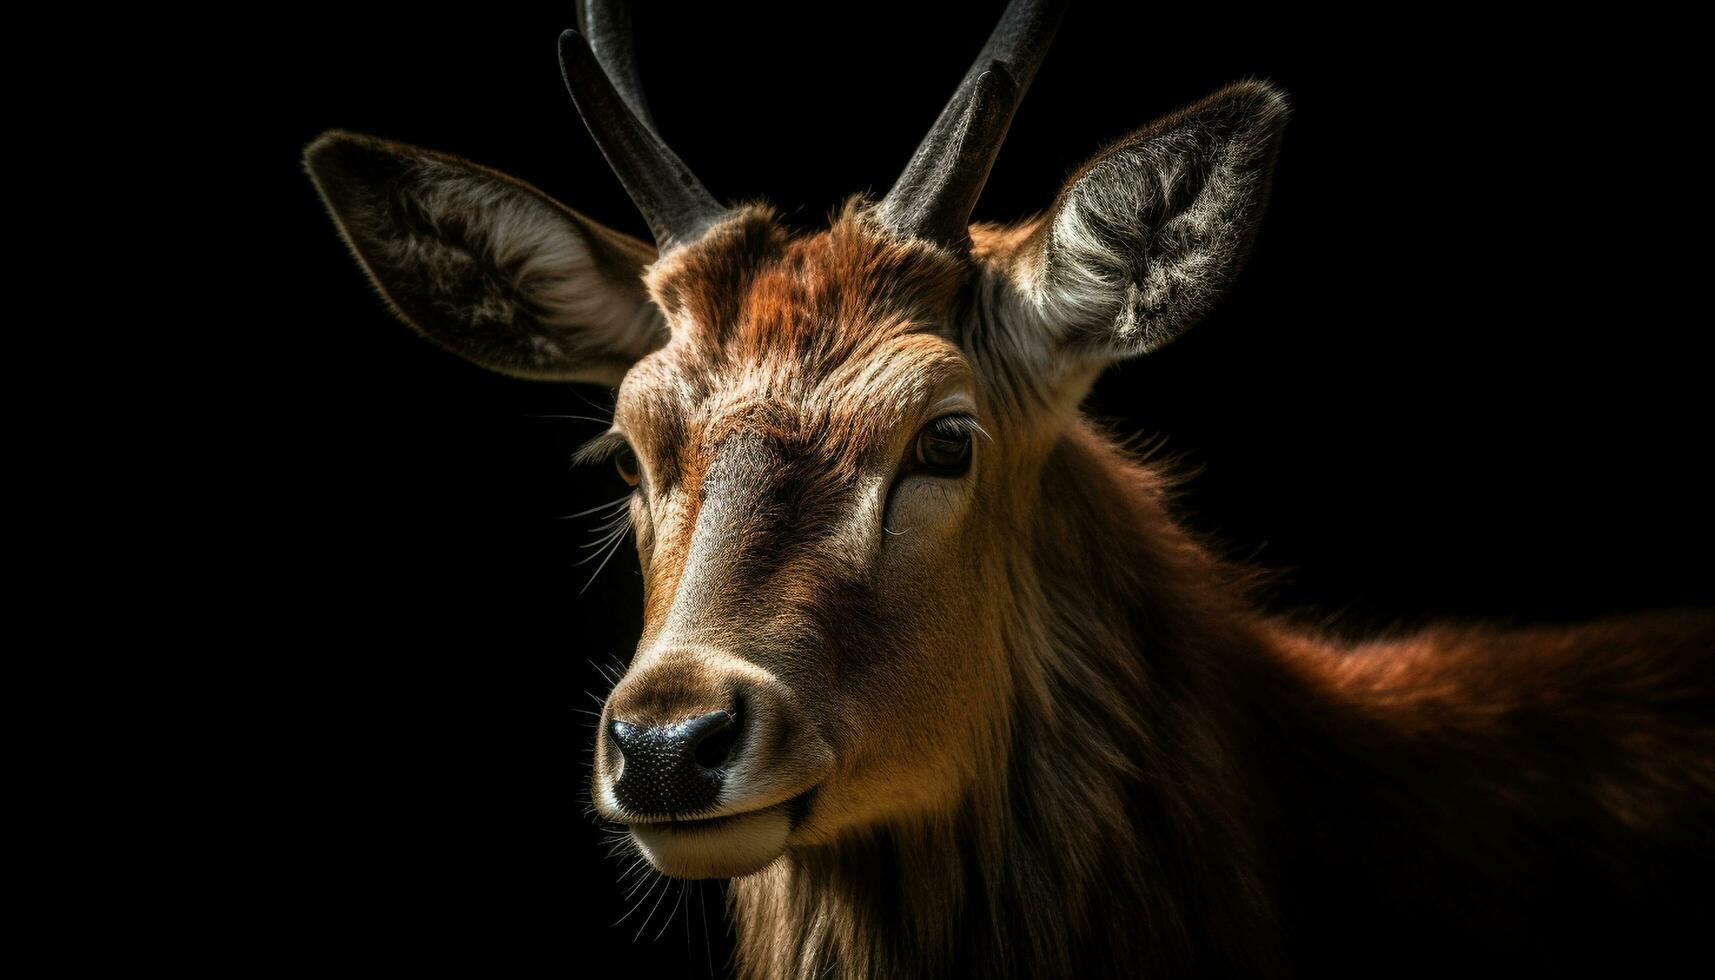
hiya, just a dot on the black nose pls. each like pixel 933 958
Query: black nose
pixel 676 768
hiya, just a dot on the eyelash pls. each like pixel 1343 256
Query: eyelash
pixel 601 449
pixel 614 449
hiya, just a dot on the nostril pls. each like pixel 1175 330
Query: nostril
pixel 714 743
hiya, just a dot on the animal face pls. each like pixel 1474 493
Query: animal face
pixel 834 440
pixel 817 481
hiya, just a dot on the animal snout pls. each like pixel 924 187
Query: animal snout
pixel 674 767
pixel 694 734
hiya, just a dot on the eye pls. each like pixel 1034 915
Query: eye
pixel 944 446
pixel 625 461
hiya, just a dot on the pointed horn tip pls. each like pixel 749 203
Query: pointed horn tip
pixel 573 47
pixel 579 66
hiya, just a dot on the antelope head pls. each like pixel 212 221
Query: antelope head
pixel 836 442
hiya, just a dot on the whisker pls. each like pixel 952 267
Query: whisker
pixel 601 542
pixel 617 534
pixel 641 879
pixel 655 909
pixel 607 506
pixel 581 418
pixel 645 898
pixel 622 519
pixel 671 912
pixel 600 408
pixel 618 539
pixel 607 674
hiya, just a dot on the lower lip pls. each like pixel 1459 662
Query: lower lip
pixel 692 826
pixel 721 847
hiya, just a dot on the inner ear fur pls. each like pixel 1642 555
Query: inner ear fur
pixel 1144 238
pixel 486 265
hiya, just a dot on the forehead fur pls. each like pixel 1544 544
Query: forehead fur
pixel 818 341
pixel 751 293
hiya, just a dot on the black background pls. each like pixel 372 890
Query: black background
pixel 1463 375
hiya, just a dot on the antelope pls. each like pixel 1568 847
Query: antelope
pixel 929 669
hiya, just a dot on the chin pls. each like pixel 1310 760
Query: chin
pixel 722 847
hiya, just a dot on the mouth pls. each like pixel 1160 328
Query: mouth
pixel 726 846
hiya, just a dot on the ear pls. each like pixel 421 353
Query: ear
pixel 1144 238
pixel 487 266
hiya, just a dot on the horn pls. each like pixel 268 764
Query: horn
pixel 607 27
pixel 676 206
pixel 933 198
